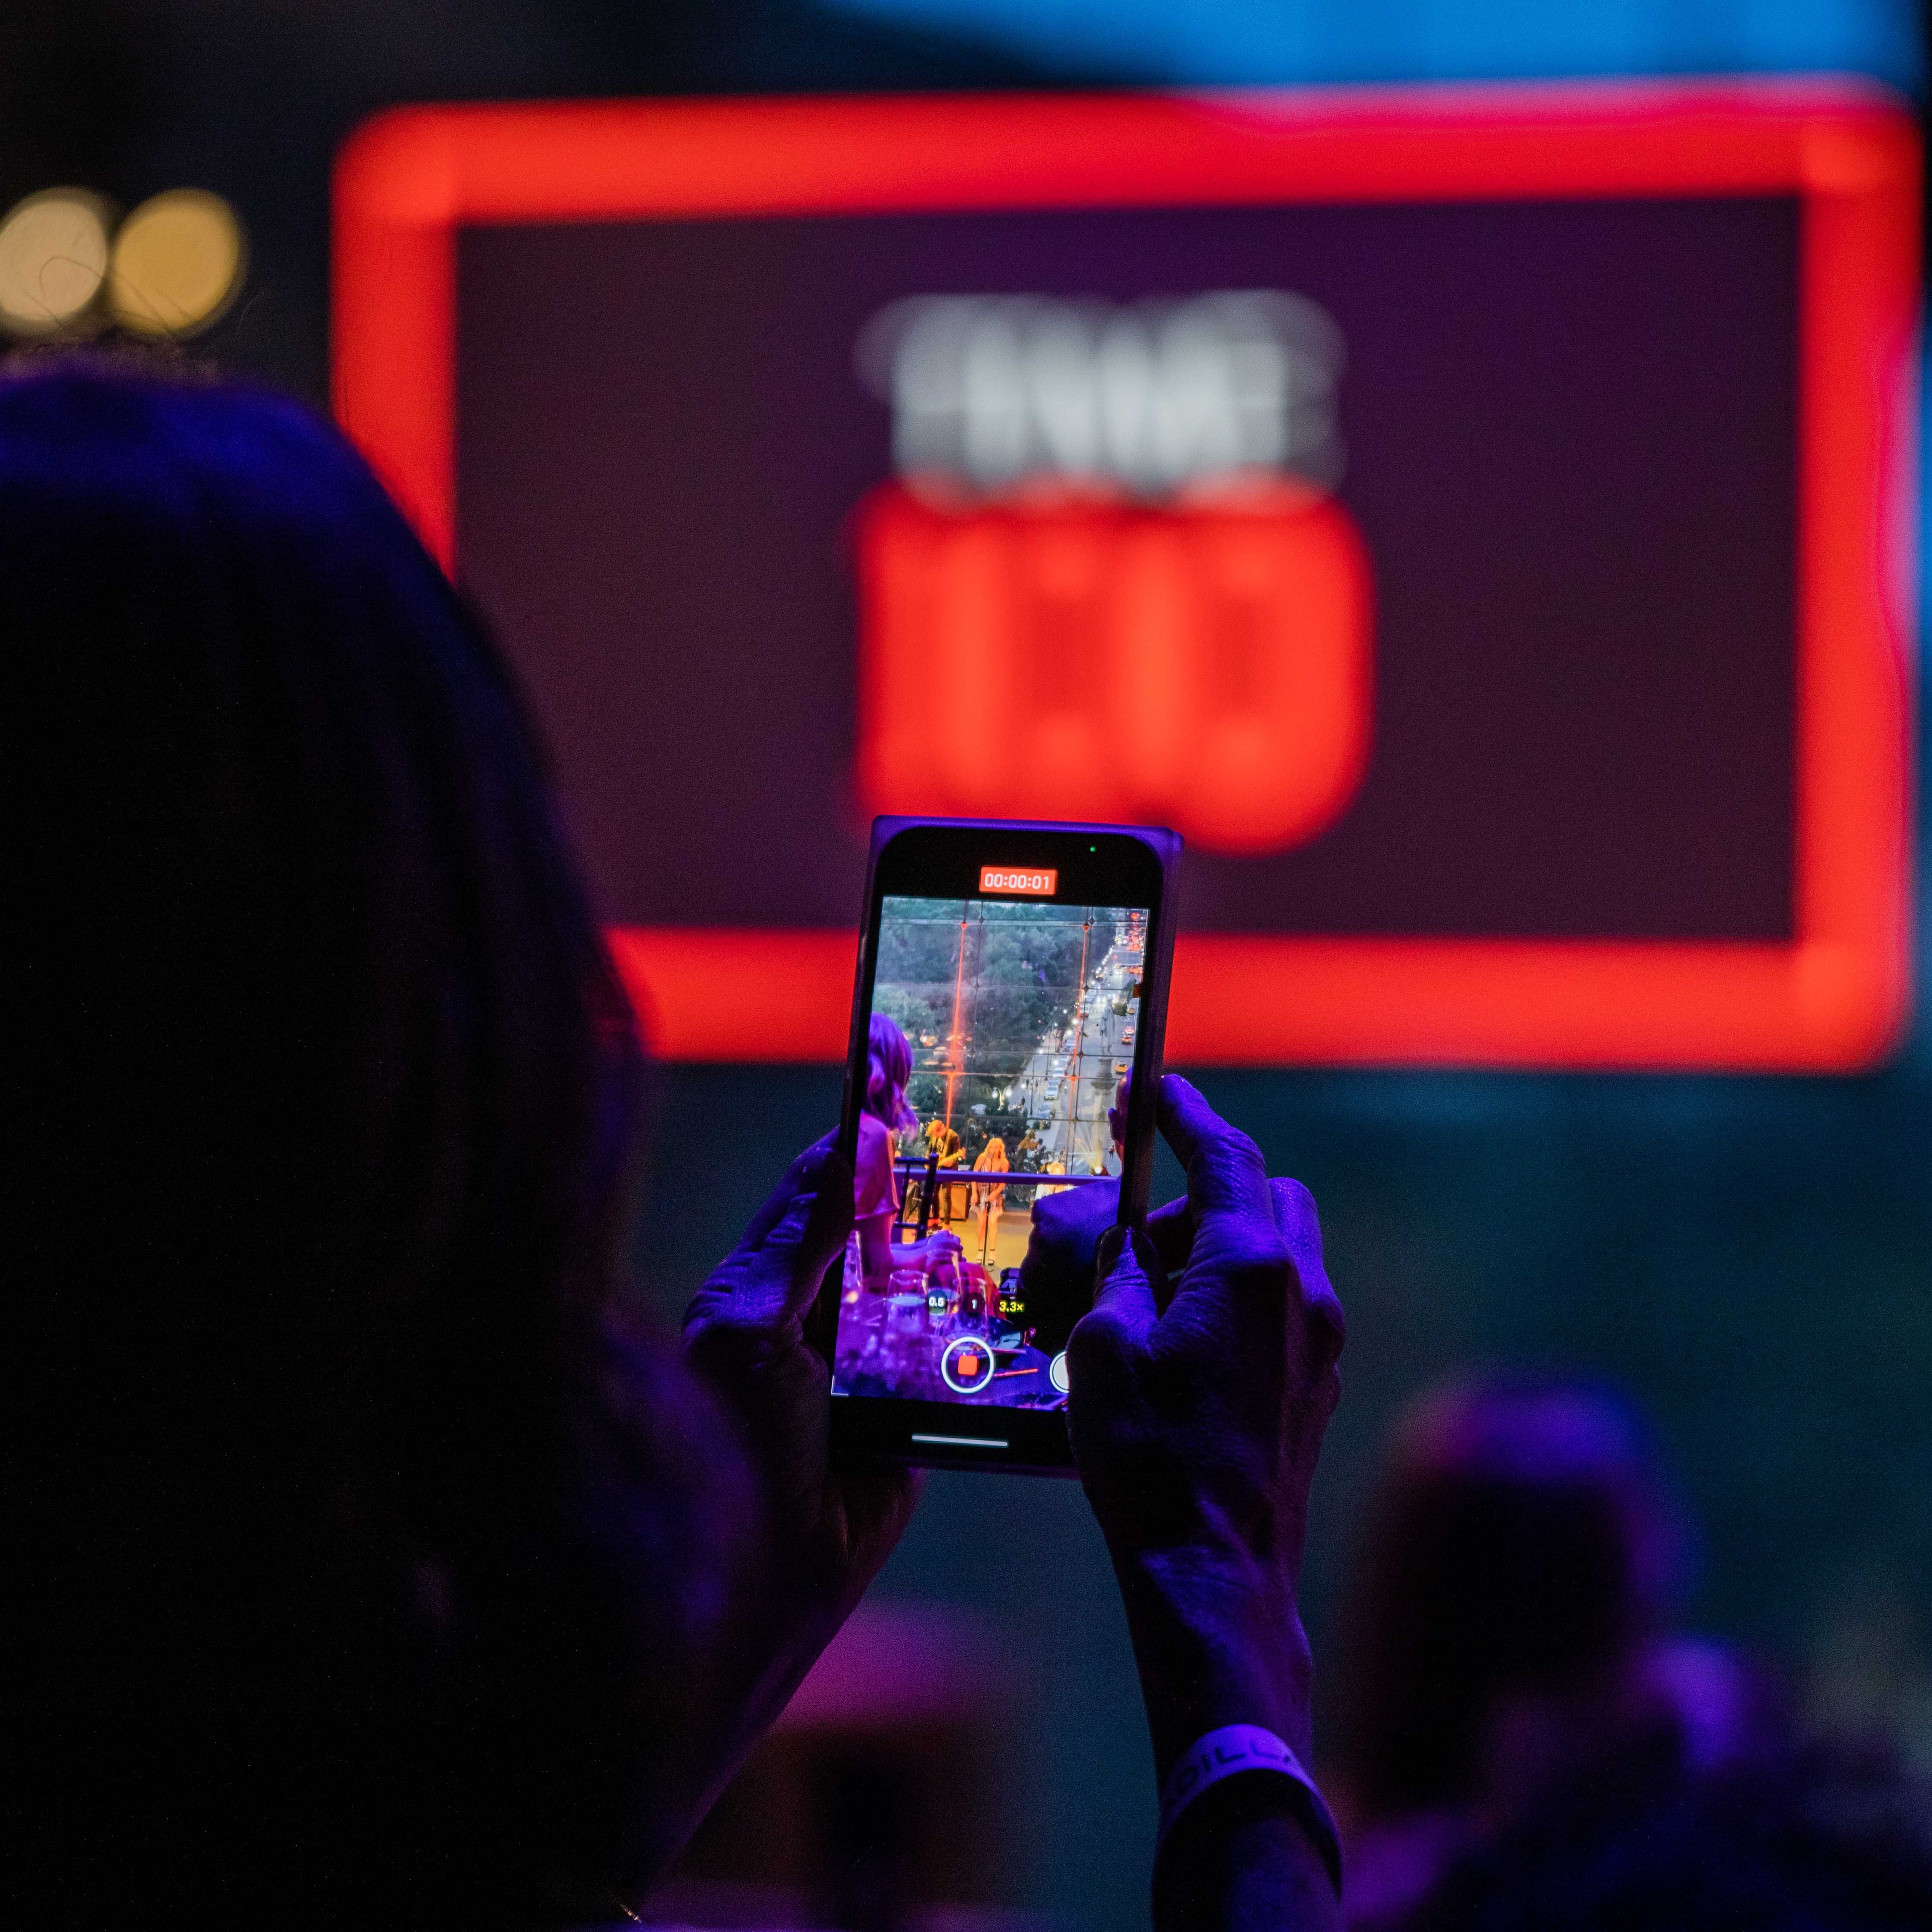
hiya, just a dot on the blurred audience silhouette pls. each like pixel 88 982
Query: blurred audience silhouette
pixel 1529 1743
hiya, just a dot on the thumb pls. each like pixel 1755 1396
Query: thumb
pixel 804 1172
pixel 1127 1273
pixel 812 1229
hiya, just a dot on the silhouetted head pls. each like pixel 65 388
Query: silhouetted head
pixel 364 1524
pixel 1117 1114
pixel 1519 1553
pixel 1813 1840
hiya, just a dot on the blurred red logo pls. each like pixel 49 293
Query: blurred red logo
pixel 1206 663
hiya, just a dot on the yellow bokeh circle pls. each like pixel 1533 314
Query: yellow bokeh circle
pixel 53 257
pixel 178 262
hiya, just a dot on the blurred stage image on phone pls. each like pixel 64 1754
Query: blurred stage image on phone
pixel 1014 1023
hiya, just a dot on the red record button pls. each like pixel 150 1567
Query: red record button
pixel 967 1366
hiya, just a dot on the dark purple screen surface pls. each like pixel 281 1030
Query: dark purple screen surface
pixel 1569 429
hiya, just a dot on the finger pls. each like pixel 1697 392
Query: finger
pixel 1300 1223
pixel 815 1224
pixel 1171 1229
pixel 1128 1278
pixel 1295 1215
pixel 1225 1176
pixel 876 1504
pixel 801 1175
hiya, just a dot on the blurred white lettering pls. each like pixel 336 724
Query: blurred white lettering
pixel 993 391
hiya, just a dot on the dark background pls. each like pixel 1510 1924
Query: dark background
pixel 1751 1258
pixel 1569 433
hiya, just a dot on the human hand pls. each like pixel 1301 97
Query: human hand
pixel 941 1245
pixel 828 1531
pixel 1201 1385
pixel 1057 1270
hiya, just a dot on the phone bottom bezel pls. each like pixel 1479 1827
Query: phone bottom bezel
pixel 875 1430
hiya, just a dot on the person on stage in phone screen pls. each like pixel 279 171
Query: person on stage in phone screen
pixel 943 1139
pixel 875 1192
pixel 989 1201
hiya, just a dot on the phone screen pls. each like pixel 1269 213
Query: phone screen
pixel 1000 1042
pixel 1005 1047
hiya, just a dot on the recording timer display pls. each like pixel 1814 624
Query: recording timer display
pixel 1036 883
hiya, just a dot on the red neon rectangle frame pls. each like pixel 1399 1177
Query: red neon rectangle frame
pixel 1834 999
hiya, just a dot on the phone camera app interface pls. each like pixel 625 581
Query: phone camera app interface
pixel 1002 1032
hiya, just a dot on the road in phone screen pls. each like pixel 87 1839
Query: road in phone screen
pixel 1002 1031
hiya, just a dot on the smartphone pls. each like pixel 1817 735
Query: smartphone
pixel 1007 1033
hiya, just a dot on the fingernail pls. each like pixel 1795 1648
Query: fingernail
pixel 1109 1250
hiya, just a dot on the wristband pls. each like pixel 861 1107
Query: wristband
pixel 1235 1748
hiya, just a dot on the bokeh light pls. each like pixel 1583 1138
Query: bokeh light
pixel 178 262
pixel 53 257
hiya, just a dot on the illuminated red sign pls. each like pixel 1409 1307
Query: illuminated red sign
pixel 1017 882
pixel 1206 665
pixel 1135 592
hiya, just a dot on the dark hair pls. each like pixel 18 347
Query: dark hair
pixel 1517 1546
pixel 888 1068
pixel 334 1627
pixel 1819 1838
